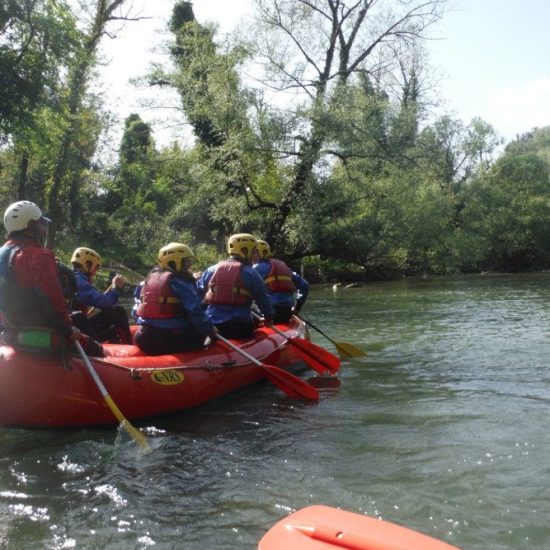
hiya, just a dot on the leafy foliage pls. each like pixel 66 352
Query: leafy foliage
pixel 350 178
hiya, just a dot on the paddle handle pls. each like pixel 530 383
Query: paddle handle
pixel 292 385
pixel 344 349
pixel 136 435
pixel 309 356
pixel 273 327
pixel 317 329
pixel 93 308
pixel 239 350
pixel 260 318
pixel 91 370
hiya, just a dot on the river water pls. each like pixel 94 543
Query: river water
pixel 443 427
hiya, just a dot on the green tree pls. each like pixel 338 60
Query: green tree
pixel 316 48
pixel 133 203
pixel 70 164
pixel 38 41
pixel 536 141
pixel 506 220
pixel 263 163
pixel 452 151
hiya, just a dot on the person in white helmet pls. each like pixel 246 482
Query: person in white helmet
pixel 30 290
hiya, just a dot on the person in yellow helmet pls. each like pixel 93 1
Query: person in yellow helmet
pixel 99 314
pixel 230 287
pixel 287 290
pixel 169 311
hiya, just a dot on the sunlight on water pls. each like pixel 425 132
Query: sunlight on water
pixel 442 427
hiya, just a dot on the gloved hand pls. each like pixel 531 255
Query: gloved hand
pixel 118 281
pixel 75 335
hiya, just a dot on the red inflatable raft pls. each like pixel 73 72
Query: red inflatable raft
pixel 325 528
pixel 38 390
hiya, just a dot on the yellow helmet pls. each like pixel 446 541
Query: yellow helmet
pixel 264 249
pixel 88 259
pixel 241 244
pixel 173 255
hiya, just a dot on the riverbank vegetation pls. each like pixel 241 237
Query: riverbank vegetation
pixel 350 177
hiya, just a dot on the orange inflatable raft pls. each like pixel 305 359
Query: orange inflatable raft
pixel 40 390
pixel 325 528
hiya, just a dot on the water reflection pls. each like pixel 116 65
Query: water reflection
pixel 442 427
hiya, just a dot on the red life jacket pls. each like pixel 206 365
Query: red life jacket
pixel 157 299
pixel 226 287
pixel 30 289
pixel 279 279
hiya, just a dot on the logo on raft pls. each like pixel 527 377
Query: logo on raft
pixel 167 377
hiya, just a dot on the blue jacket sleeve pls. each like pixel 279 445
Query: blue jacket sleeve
pixel 257 286
pixel 263 268
pixel 302 289
pixel 191 301
pixel 202 281
pixel 89 296
pixel 137 299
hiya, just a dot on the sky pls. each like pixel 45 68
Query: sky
pixel 491 57
pixel 495 56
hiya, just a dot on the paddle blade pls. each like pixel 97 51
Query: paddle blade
pixel 316 357
pixel 325 383
pixel 348 350
pixel 133 432
pixel 292 385
pixel 285 381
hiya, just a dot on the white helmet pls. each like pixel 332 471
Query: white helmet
pixel 18 215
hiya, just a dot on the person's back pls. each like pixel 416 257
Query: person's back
pixel 169 311
pixel 230 287
pixel 99 314
pixel 287 290
pixel 31 295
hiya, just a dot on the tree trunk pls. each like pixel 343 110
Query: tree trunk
pixel 63 171
pixel 23 172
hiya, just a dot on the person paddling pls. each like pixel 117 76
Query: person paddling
pixel 230 287
pixel 31 295
pixel 100 315
pixel 169 311
pixel 287 290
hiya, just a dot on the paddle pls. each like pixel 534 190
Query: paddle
pixel 92 309
pixel 134 433
pixel 316 357
pixel 292 385
pixel 344 349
